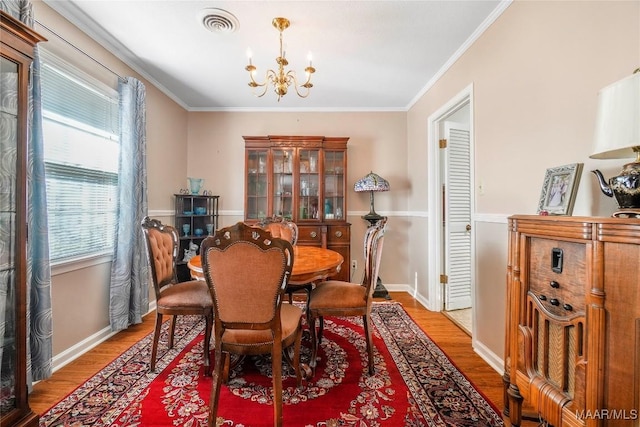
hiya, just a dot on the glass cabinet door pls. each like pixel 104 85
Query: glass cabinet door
pixel 283 182
pixel 334 185
pixel 309 188
pixel 8 181
pixel 257 181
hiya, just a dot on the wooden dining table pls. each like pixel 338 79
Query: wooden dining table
pixel 310 264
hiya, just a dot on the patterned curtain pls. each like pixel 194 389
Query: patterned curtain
pixel 129 288
pixel 39 318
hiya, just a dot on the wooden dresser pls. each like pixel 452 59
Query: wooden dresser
pixel 572 350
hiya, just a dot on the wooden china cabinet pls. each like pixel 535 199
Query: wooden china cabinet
pixel 17 43
pixel 572 351
pixel 302 178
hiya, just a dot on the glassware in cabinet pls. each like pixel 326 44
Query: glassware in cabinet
pixel 334 185
pixel 257 184
pixel 309 184
pixel 283 182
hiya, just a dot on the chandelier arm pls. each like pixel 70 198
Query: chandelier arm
pixel 264 90
pixel 268 79
pixel 291 75
pixel 254 83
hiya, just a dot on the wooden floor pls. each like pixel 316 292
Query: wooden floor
pixel 455 343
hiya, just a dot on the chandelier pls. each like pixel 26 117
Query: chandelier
pixel 281 79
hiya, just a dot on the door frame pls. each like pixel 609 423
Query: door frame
pixel 435 229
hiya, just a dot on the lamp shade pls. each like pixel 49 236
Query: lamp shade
pixel 618 119
pixel 371 182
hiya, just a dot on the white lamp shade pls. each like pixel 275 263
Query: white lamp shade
pixel 618 120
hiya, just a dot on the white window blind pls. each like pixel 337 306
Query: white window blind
pixel 81 150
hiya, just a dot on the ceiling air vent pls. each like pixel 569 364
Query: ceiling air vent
pixel 218 20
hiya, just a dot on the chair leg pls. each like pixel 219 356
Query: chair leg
pixel 276 367
pixel 321 329
pixel 314 342
pixel 308 289
pixel 217 384
pixel 156 338
pixel 366 321
pixel 296 355
pixel 172 329
pixel 208 326
pixel 290 297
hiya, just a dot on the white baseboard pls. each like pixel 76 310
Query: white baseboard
pixel 73 352
pixel 488 356
pixel 70 354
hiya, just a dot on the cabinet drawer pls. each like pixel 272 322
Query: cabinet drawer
pixel 310 235
pixel 339 234
pixel 558 275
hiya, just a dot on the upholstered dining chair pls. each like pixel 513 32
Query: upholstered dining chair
pixel 281 228
pixel 285 229
pixel 344 299
pixel 173 298
pixel 247 270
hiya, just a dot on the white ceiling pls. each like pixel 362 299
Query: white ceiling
pixel 368 55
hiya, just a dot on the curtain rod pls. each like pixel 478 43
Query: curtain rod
pixel 79 50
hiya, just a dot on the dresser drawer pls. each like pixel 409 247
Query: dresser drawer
pixel 339 234
pixel 310 235
pixel 558 275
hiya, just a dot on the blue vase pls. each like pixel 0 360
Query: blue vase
pixel 195 184
pixel 327 207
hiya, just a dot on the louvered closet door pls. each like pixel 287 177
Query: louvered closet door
pixel 457 231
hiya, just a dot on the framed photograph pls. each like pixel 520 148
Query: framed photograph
pixel 559 189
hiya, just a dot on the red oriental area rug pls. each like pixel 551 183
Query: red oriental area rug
pixel 415 384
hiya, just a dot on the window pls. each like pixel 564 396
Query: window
pixel 81 151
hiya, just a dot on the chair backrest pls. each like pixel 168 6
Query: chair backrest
pixel 161 242
pixel 247 271
pixel 373 242
pixel 281 228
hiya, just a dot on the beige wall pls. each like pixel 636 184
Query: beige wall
pixel 535 73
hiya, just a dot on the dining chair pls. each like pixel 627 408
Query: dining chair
pixel 344 299
pixel 281 228
pixel 247 270
pixel 173 298
pixel 285 229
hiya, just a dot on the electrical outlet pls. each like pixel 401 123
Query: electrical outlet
pixel 354 264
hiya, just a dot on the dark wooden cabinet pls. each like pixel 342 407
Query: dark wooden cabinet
pixel 16 55
pixel 572 350
pixel 196 217
pixel 302 178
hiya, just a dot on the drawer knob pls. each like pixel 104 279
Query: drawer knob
pixel 338 233
pixel 554 301
pixel 543 297
pixel 554 284
pixel 314 234
pixel 567 307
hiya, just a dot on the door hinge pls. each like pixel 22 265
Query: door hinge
pixel 443 143
pixel 444 279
